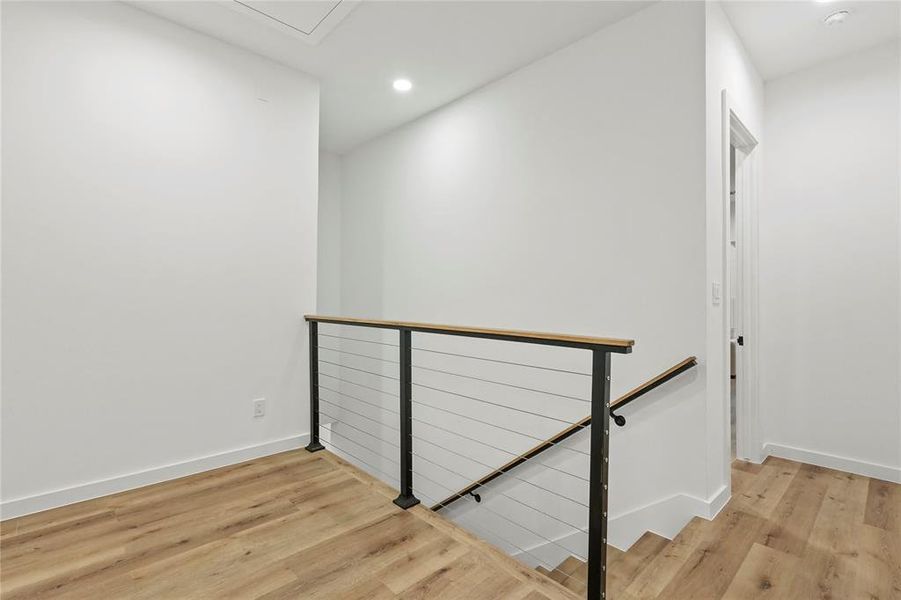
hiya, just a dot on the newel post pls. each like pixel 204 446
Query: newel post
pixel 314 444
pixel 597 495
pixel 406 499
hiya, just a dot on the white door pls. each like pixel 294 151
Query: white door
pixel 735 292
pixel 739 172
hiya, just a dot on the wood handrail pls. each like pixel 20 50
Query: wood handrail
pixel 533 337
pixel 626 398
pixel 650 384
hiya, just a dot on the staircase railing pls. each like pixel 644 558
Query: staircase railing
pixel 399 373
pixel 552 442
pixel 647 386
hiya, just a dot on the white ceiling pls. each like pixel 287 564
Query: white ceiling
pixel 786 36
pixel 304 17
pixel 307 20
pixel 446 48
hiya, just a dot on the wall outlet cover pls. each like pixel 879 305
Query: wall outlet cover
pixel 259 407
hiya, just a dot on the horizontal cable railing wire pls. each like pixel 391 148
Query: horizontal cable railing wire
pixel 334 432
pixel 493 532
pixel 391 478
pixel 344 422
pixel 530 514
pixel 508 452
pixel 362 385
pixel 509 385
pixel 503 362
pixel 501 494
pixel 496 404
pixel 500 427
pixel 350 339
pixel 343 447
pixel 480 505
pixel 328 362
pixel 551 442
pixel 348 352
pixel 346 395
pixel 514 477
pixel 490 533
pixel 432 369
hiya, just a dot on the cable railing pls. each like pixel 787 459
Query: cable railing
pixel 432 418
pixel 573 429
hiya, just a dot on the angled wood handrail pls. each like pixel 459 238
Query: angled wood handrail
pixel 626 398
pixel 532 337
pixel 650 384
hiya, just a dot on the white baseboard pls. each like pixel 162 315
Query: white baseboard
pixel 666 517
pixel 830 461
pixel 717 502
pixel 17 507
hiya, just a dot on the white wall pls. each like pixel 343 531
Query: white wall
pixel 159 249
pixel 568 196
pixel 829 265
pixel 328 288
pixel 729 68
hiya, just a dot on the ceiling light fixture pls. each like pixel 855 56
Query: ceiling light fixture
pixel 402 85
pixel 837 17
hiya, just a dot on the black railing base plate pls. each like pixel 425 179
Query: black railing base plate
pixel 406 502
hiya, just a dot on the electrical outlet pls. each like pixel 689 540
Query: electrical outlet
pixel 259 408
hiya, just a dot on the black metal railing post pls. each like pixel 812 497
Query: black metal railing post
pixel 314 444
pixel 597 487
pixel 406 499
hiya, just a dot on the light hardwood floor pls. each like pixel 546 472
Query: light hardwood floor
pixel 790 531
pixel 299 525
pixel 293 525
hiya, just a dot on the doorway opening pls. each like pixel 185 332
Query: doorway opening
pixel 734 295
pixel 740 290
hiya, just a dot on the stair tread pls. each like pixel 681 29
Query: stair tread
pixel 721 550
pixel 621 571
pixel 622 567
pixel 614 553
pixel 650 580
pixel 713 558
pixel 649 544
pixel 575 580
pixel 558 576
pixel 570 564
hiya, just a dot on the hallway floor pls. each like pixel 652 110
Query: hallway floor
pixel 790 531
pixel 300 525
pixel 292 525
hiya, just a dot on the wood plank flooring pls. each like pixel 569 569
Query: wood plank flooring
pixel 293 525
pixel 790 531
pixel 300 525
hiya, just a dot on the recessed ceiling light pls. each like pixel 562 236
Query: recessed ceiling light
pixel 402 85
pixel 837 17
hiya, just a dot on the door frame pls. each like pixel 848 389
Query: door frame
pixel 748 443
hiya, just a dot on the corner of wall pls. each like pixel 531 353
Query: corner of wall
pixel 727 68
pixel 329 253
